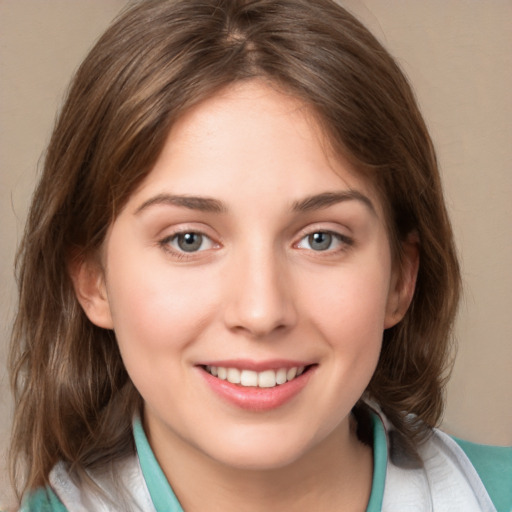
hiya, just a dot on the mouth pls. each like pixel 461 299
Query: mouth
pixel 257 385
pixel 269 378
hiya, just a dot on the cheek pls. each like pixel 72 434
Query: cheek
pixel 349 310
pixel 353 302
pixel 158 313
pixel 156 306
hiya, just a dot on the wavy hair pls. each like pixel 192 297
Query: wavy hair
pixel 73 398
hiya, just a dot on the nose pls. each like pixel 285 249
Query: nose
pixel 261 299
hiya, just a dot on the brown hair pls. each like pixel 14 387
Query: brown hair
pixel 74 399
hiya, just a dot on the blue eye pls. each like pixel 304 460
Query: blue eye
pixel 323 241
pixel 189 242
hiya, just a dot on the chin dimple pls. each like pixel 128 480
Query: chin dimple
pixel 250 378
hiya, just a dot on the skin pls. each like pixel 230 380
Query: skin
pixel 257 289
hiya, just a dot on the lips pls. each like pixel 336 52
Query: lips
pixel 256 386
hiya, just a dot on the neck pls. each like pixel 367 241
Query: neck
pixel 336 474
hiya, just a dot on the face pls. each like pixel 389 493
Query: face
pixel 248 280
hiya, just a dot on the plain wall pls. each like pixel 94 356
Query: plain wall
pixel 458 56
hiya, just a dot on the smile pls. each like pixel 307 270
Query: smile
pixel 250 378
pixel 256 387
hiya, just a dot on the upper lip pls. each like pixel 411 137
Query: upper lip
pixel 257 366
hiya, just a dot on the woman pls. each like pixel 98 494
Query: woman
pixel 238 278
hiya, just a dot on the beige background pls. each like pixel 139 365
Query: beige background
pixel 458 55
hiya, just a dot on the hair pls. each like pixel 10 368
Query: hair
pixel 74 400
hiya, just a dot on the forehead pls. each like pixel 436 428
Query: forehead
pixel 246 139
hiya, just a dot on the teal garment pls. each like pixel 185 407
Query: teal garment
pixel 494 466
pixel 42 500
pixel 380 462
pixel 164 499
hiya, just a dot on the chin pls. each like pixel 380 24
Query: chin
pixel 245 461
pixel 264 453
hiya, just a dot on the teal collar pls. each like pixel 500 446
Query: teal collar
pixel 159 489
pixel 165 500
pixel 380 462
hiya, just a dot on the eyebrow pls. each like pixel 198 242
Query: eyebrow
pixel 326 199
pixel 208 204
pixel 203 204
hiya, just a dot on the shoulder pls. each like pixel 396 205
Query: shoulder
pixel 42 500
pixel 494 467
pixel 442 476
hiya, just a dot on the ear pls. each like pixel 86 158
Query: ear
pixel 403 282
pixel 88 279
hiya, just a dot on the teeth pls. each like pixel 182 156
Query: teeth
pixel 249 378
pixel 281 376
pixel 267 379
pixel 233 375
pixel 291 373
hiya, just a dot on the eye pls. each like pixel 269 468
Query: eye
pixel 323 241
pixel 189 241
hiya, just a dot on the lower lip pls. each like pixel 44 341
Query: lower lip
pixel 254 398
